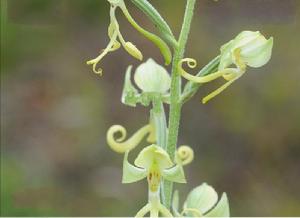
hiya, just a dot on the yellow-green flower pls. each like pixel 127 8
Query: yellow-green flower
pixel 202 201
pixel 247 49
pixel 154 164
pixel 116 39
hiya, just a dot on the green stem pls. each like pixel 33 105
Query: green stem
pixel 175 104
pixel 159 117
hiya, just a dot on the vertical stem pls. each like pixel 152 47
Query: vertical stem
pixel 159 117
pixel 175 106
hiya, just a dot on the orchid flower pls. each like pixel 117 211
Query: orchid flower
pixel 154 164
pixel 247 49
pixel 152 79
pixel 117 39
pixel 202 201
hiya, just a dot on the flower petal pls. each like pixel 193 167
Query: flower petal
pixel 132 173
pixel 174 174
pixel 151 77
pixel 221 209
pixel 153 154
pixel 130 93
pixel 203 198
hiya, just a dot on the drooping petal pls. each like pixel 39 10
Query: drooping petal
pixel 219 90
pixel 132 173
pixel 96 60
pixel 174 174
pixel 143 211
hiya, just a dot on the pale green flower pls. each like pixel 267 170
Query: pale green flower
pixel 202 201
pixel 247 49
pixel 152 79
pixel 154 164
pixel 117 39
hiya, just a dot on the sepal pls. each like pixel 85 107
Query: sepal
pixel 221 209
pixel 202 198
pixel 130 93
pixel 202 201
pixel 132 173
pixel 174 174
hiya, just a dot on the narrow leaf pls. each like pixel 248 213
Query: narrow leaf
pixel 157 20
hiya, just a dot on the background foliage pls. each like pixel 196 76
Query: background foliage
pixel 55 111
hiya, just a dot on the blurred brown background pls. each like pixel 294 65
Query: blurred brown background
pixel 55 111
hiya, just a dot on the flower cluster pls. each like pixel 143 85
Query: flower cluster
pixel 153 162
pixel 161 161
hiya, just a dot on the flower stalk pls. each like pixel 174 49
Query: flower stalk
pixel 175 104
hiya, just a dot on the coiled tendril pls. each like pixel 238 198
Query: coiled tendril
pixel 121 146
pixel 185 154
pixel 229 74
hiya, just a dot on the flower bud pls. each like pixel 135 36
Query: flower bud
pixel 133 50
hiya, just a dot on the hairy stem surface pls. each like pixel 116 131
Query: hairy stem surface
pixel 175 104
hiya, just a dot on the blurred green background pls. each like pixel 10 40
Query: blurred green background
pixel 55 111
